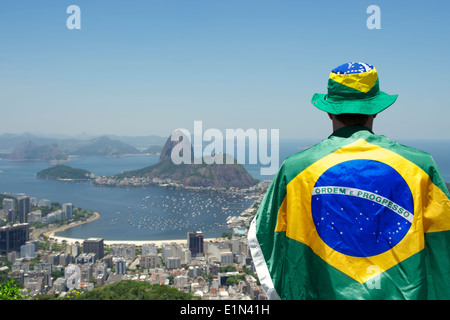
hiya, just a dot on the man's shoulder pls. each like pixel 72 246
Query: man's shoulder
pixel 304 154
pixel 409 152
pixel 331 144
pixel 299 161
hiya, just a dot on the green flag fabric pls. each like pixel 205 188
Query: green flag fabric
pixel 356 216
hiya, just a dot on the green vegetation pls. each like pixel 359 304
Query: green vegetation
pixel 10 291
pixel 64 172
pixel 196 175
pixel 228 235
pixel 234 279
pixel 225 175
pixel 46 210
pixel 228 269
pixel 133 290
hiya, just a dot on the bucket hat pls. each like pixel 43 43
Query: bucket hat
pixel 353 87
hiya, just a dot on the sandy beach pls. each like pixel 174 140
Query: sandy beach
pixel 51 236
pixel 158 243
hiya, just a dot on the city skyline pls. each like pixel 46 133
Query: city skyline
pixel 147 68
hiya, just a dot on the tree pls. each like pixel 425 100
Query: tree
pixel 234 280
pixel 10 291
pixel 134 290
pixel 57 274
pixel 227 269
pixel 228 235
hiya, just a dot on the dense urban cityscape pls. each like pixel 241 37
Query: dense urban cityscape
pixel 45 265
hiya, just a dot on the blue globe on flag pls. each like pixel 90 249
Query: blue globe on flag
pixel 361 208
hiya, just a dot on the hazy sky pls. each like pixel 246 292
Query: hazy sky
pixel 148 67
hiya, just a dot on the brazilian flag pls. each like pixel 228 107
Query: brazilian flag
pixel 356 216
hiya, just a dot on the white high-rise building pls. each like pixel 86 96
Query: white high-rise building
pixel 27 251
pixel 173 263
pixel 8 204
pixel 186 256
pixel 73 249
pixel 124 250
pixel 9 209
pixel 68 210
pixel 35 216
pixel 44 203
pixel 148 249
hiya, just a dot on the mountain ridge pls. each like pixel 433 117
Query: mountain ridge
pixel 10 141
pixel 195 175
pixel 29 151
pixel 105 146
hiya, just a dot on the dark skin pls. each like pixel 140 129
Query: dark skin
pixel 337 124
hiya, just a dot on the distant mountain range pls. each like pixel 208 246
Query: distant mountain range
pixel 104 146
pixel 228 174
pixel 28 151
pixel 32 147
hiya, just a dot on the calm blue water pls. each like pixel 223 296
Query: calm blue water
pixel 152 213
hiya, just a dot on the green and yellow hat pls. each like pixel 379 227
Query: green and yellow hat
pixel 353 88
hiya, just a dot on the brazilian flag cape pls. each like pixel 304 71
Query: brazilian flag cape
pixel 356 216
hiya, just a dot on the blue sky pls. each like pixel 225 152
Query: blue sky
pixel 148 67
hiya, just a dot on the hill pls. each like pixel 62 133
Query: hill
pixel 29 151
pixel 63 172
pixel 105 146
pixel 9 141
pixel 194 175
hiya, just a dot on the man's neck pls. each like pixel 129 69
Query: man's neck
pixel 347 131
pixel 339 125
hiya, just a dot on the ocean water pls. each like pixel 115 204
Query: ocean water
pixel 138 213
pixel 153 213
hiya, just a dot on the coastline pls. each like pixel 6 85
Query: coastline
pixel 58 239
pixel 51 233
pixel 158 243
